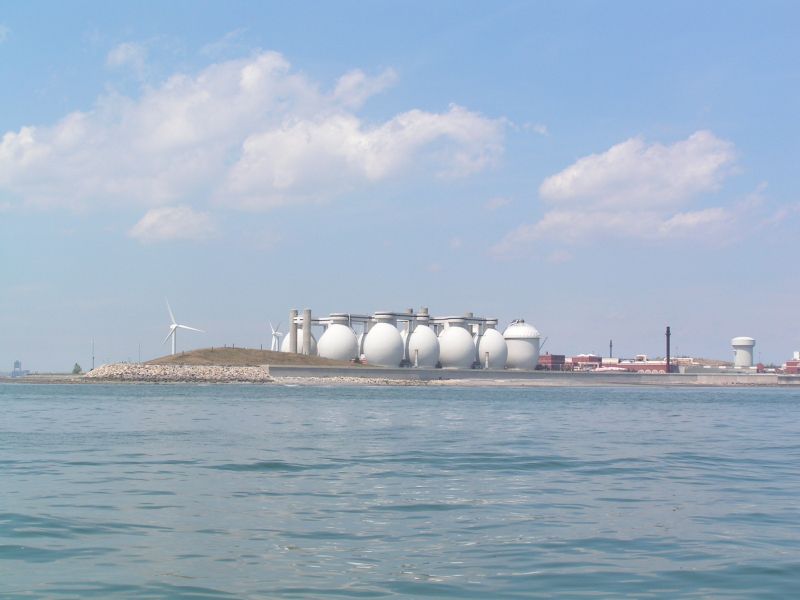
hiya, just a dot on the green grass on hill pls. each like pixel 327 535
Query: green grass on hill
pixel 243 357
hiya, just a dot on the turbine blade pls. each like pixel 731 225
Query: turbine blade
pixel 169 335
pixel 271 327
pixel 191 328
pixel 171 316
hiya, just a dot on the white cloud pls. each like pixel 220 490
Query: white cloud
pixel 636 190
pixel 496 203
pixel 312 159
pixel 539 128
pixel 248 133
pixel 173 223
pixel 354 88
pixel 128 54
pixel 4 32
pixel 434 268
pixel 231 41
pixel 636 173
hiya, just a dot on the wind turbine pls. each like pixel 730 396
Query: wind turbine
pixel 173 329
pixel 276 337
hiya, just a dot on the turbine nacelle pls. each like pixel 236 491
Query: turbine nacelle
pixel 173 329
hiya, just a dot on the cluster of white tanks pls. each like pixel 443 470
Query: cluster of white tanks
pixel 412 339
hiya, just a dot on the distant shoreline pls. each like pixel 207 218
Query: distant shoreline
pixel 319 375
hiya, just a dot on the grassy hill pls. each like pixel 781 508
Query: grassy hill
pixel 243 357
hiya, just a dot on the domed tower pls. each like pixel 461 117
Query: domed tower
pixel 522 340
pixel 743 351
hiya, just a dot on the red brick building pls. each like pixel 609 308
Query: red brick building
pixel 586 362
pixel 792 367
pixel 552 362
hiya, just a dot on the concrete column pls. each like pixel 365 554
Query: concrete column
pixel 306 331
pixel 293 331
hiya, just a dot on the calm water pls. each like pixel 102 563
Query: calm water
pixel 207 492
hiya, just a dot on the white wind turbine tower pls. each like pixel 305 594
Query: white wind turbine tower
pixel 276 337
pixel 173 329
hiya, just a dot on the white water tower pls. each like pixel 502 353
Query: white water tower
pixel 743 351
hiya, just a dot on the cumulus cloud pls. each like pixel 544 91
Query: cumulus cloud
pixel 496 203
pixel 634 189
pixel 354 88
pixel 308 159
pixel 169 223
pixel 128 54
pixel 231 41
pixel 539 128
pixel 249 133
pixel 634 173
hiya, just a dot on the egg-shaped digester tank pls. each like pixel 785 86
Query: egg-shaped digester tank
pixel 456 348
pixel 522 340
pixel 285 343
pixel 423 347
pixel 492 350
pixel 339 342
pixel 383 345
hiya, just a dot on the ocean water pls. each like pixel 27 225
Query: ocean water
pixel 221 492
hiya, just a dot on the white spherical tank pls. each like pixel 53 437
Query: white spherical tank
pixel 383 345
pixel 522 340
pixel 423 347
pixel 456 348
pixel 743 351
pixel 285 343
pixel 493 344
pixel 338 342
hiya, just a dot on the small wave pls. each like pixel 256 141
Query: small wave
pixel 271 466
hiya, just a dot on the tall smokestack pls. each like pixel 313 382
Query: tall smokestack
pixel 669 370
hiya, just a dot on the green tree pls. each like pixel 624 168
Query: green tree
pixel 76 370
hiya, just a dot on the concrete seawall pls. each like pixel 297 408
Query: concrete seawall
pixel 489 376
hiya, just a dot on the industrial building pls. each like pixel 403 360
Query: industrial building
pixel 18 371
pixel 415 339
pixel 552 362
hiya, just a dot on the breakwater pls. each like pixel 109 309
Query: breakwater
pixel 180 373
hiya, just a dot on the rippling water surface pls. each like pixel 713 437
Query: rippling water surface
pixel 218 492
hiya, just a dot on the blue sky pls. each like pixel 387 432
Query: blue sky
pixel 600 169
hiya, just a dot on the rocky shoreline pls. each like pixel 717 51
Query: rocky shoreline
pixel 180 373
